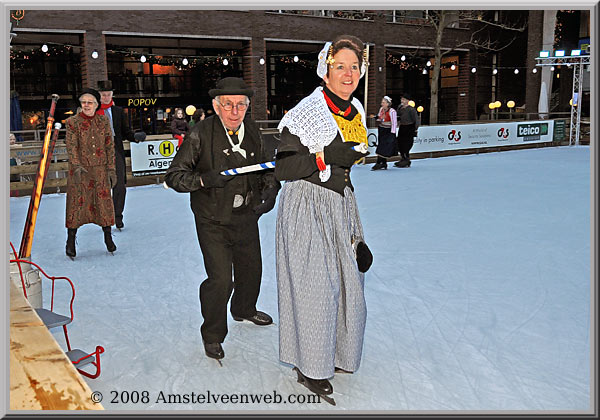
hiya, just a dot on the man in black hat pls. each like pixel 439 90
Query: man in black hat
pixel 120 130
pixel 407 130
pixel 226 208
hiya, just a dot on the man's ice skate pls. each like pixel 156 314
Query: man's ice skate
pixel 321 387
pixel 214 351
pixel 403 163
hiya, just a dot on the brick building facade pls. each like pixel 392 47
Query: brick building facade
pixel 255 35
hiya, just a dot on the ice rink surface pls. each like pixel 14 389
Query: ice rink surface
pixel 478 299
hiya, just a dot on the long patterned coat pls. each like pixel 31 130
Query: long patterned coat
pixel 90 145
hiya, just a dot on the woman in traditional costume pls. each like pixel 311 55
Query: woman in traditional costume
pixel 321 254
pixel 387 145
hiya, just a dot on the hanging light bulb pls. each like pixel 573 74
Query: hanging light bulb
pixel 495 71
pixel 225 62
pixel 143 58
pixel 534 70
pixel 94 54
pixel 516 71
pixel 473 70
pixel 296 59
pixel 261 61
pixel 424 71
pixel 552 68
pixel 44 48
pixel 428 63
pixel 452 67
pixel 403 57
pixel 184 61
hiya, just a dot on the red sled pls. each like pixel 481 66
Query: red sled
pixel 52 319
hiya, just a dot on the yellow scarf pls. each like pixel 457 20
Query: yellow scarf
pixel 352 130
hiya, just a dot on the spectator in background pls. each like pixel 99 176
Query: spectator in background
pixel 13 161
pixel 407 130
pixel 120 131
pixel 386 138
pixel 179 126
pixel 198 116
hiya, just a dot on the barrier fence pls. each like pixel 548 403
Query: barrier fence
pixel 432 141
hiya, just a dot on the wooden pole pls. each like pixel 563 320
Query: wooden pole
pixel 38 185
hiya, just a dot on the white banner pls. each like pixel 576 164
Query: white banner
pixel 440 138
pixel 152 157
pixel 468 136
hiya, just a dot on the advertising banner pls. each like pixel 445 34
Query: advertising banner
pixel 468 136
pixel 152 157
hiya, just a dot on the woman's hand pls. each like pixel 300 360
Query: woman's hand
pixel 77 171
pixel 342 154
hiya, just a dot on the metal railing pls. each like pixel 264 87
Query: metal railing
pixel 342 14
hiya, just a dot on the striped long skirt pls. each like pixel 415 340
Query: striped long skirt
pixel 322 308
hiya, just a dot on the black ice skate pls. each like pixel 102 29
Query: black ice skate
pixel 402 163
pixel 378 166
pixel 110 245
pixel 321 387
pixel 214 351
pixel 70 248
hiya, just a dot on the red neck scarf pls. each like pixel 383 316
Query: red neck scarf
pixel 100 111
pixel 335 109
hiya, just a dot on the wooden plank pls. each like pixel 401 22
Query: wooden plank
pixel 41 375
pixel 31 169
pixel 50 183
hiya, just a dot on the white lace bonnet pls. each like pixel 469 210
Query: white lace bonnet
pixel 324 56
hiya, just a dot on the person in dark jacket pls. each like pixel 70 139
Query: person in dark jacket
pixel 179 126
pixel 226 209
pixel 120 130
pixel 407 130
pixel 198 116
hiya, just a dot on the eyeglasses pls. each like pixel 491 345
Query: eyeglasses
pixel 228 106
pixel 87 102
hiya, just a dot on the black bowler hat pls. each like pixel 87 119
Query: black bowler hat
pixel 231 86
pixel 92 92
pixel 105 85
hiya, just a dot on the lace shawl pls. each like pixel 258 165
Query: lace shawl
pixel 312 121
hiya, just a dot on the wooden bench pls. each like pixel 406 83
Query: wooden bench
pixel 41 375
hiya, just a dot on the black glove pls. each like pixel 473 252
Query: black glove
pixel 342 154
pixel 267 196
pixel 139 136
pixel 77 171
pixel 214 179
pixel 364 258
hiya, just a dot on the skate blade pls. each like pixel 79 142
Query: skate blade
pixel 301 380
pixel 327 399
pixel 219 362
pixel 72 258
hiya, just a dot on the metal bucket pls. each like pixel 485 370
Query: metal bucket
pixel 32 280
